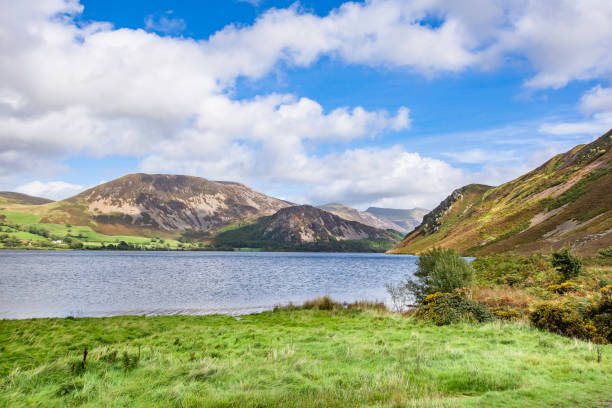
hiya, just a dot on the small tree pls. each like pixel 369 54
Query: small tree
pixel 438 270
pixel 566 264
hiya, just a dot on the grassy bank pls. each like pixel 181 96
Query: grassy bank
pixel 301 358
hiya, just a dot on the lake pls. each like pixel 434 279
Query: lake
pixel 109 283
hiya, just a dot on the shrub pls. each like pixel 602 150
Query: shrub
pixel 510 270
pixel 447 308
pixel 600 314
pixel 130 361
pixel 558 319
pixel 567 264
pixel 506 313
pixel 605 252
pixel 76 244
pixel 439 270
pixel 562 288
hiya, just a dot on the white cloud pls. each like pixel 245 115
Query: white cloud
pixel 596 100
pixel 68 90
pixel 597 104
pixel 55 190
pixel 595 126
pixel 563 40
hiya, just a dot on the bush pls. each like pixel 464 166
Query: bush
pixel 567 264
pixel 605 252
pixel 439 270
pixel 448 308
pixel 74 244
pixel 562 288
pixel 506 313
pixel 600 315
pixel 510 270
pixel 558 319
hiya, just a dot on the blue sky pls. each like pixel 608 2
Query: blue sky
pixel 386 102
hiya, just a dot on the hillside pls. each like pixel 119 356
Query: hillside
pixel 567 201
pixel 352 214
pixel 308 228
pixel 407 219
pixel 9 197
pixel 147 204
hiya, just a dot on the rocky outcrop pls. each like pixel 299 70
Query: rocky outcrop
pixel 433 220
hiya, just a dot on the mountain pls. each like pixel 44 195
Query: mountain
pixel 567 201
pixel 175 203
pixel 408 219
pixel 307 228
pixel 146 204
pixel 352 214
pixel 9 197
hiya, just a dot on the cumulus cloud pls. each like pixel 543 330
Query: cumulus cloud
pixel 71 89
pixel 55 190
pixel 564 40
pixel 596 100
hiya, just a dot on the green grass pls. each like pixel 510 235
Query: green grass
pixel 302 358
pixel 20 218
pixel 83 233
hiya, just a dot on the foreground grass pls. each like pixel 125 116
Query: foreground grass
pixel 302 358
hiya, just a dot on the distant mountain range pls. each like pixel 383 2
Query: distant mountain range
pixel 407 219
pixel 219 213
pixel 363 217
pixel 567 201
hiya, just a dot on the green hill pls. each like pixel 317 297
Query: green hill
pixel 567 201
pixel 10 197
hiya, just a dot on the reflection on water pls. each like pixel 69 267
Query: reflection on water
pixel 96 283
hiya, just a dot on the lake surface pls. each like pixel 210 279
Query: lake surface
pixel 108 283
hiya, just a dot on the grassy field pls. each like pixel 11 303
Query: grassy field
pixel 84 234
pixel 299 358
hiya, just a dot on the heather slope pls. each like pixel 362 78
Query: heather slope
pixel 567 201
